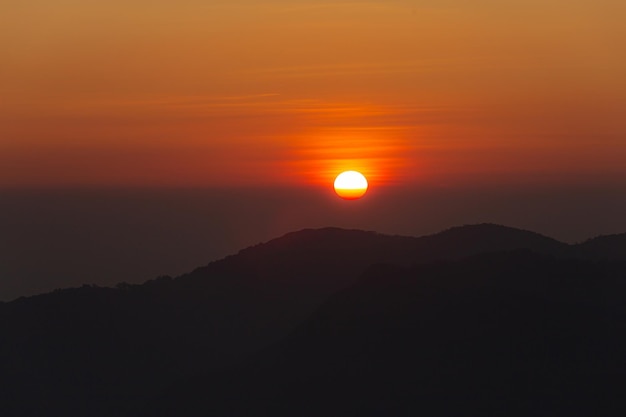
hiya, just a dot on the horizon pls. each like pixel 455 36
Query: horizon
pixel 455 113
pixel 65 238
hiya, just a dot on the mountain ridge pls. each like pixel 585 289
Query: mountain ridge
pixel 463 231
pixel 215 316
pixel 448 339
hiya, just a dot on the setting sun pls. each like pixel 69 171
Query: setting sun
pixel 350 185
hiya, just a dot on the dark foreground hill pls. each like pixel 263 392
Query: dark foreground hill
pixel 106 351
pixel 507 334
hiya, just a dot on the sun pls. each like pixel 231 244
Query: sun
pixel 350 185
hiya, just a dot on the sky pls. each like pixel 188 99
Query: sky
pixel 244 92
pixel 140 138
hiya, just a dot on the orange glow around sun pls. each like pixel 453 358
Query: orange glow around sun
pixel 381 153
pixel 350 185
pixel 223 95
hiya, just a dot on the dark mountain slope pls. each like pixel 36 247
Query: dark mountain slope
pixel 513 334
pixel 321 248
pixel 93 351
pixel 469 240
pixel 603 247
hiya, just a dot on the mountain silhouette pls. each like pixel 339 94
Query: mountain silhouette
pixel 603 247
pixel 515 334
pixel 106 351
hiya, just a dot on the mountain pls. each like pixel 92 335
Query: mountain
pixel 603 247
pixel 515 334
pixel 104 351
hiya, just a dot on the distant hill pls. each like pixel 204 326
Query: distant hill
pixel 102 351
pixel 603 247
pixel 504 334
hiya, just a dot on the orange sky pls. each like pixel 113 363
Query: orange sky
pixel 244 92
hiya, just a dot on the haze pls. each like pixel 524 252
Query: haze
pixel 61 238
pixel 145 138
